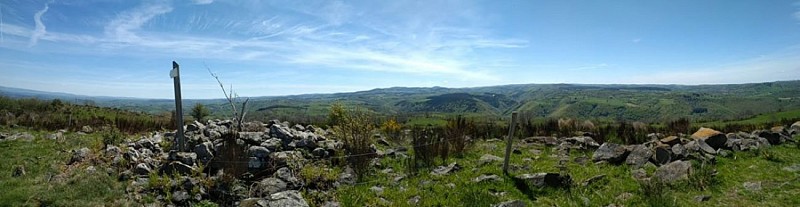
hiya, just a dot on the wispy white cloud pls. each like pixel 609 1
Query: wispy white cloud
pixel 122 28
pixel 775 67
pixel 336 37
pixel 40 30
pixel 201 2
pixel 637 40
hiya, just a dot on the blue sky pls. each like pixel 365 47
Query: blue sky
pixel 263 48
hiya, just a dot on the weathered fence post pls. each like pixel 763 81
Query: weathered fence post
pixel 509 141
pixel 176 77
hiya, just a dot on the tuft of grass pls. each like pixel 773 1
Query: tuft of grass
pixel 703 176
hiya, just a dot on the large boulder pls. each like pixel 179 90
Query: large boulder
pixel 584 142
pixel 79 155
pixel 613 153
pixel 258 152
pixel 204 152
pixel 285 174
pixel 270 185
pixel 252 138
pixel 774 138
pixel 281 132
pixel 176 167
pixel 673 172
pixel 663 154
pixel 639 156
pixel 714 138
pixel 546 180
pixel 795 128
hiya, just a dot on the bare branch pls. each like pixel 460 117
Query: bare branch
pixel 231 97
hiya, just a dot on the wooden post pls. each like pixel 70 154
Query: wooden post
pixel 176 77
pixel 509 141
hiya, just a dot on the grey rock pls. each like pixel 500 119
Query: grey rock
pixel 702 198
pixel 268 186
pixel 255 163
pixel 485 177
pixel 113 151
pixel 251 137
pixel 285 174
pixel 713 138
pixel 285 157
pixel 692 146
pixel 639 156
pixel 291 198
pixel 663 155
pixel 705 148
pixel 774 138
pixel 195 126
pixel 253 202
pixel 87 129
pixel 272 144
pixel 512 203
pixel 203 151
pixel 613 153
pixel 414 200
pixel 583 142
pixel 187 158
pixel 180 196
pixel 673 172
pixel 347 177
pixel 792 168
pixel 377 189
pixel 281 132
pixel 176 167
pixel 320 153
pixel 444 170
pixel 25 136
pixel 307 143
pixel 639 174
pixel 487 158
pixel 752 186
pixel 56 136
pixel 329 203
pixel 546 180
pixel 142 169
pixel 671 140
pixel 258 152
pixel 79 155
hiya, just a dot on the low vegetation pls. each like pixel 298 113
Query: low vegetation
pixel 450 164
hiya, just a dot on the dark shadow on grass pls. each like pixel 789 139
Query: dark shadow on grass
pixel 523 187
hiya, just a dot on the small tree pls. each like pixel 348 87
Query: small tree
pixel 199 111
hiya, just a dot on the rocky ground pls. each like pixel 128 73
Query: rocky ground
pixel 279 164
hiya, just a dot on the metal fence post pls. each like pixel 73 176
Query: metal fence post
pixel 509 141
pixel 176 77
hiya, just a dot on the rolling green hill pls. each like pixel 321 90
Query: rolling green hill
pixel 650 103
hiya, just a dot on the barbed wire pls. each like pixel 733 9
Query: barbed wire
pixel 352 155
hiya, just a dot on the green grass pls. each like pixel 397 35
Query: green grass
pixel 48 182
pixel 780 187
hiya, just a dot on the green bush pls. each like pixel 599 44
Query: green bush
pixel 355 129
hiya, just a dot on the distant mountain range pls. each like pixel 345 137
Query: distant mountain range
pixel 585 101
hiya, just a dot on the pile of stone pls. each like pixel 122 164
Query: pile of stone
pixel 273 152
pixel 672 153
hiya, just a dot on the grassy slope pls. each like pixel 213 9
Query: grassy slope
pixel 48 181
pixel 780 187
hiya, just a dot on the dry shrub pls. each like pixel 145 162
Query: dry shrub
pixel 354 128
pixel 457 132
